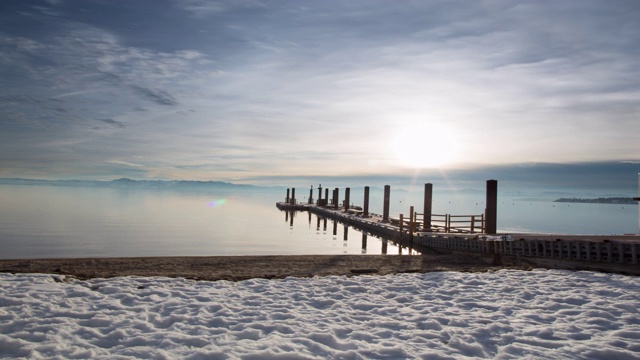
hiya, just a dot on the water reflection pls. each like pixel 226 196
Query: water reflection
pixel 364 242
pixel 378 246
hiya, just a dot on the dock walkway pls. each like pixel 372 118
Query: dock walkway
pixel 611 253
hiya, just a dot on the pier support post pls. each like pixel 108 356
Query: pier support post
pixel 326 195
pixel 638 199
pixel 319 193
pixel 293 195
pixel 311 195
pixel 491 212
pixel 365 211
pixel 411 223
pixel 428 201
pixel 336 193
pixel 347 194
pixel 385 211
pixel 286 200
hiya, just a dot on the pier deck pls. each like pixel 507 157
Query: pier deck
pixel 609 253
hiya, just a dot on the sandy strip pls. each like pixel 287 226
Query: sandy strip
pixel 245 267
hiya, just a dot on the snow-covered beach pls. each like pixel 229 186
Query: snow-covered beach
pixel 503 314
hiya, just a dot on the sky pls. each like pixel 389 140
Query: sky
pixel 251 90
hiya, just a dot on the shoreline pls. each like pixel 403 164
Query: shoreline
pixel 237 268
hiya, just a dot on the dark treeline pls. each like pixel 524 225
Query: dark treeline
pixel 602 200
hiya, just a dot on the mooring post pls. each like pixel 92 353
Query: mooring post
pixel 365 211
pixel 428 201
pixel 311 195
pixel 347 193
pixel 638 199
pixel 491 212
pixel 411 222
pixel 287 198
pixel 293 195
pixel 385 211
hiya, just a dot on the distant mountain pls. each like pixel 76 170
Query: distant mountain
pixel 129 183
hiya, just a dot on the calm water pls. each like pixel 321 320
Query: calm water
pixel 42 221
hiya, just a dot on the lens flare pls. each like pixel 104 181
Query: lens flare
pixel 217 203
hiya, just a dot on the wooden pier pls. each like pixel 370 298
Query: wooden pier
pixel 426 232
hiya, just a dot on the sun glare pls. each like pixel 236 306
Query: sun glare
pixel 425 146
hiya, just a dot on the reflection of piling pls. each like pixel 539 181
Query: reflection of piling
pixel 428 200
pixel 365 211
pixel 364 242
pixel 347 193
pixel 346 232
pixel 491 212
pixel 385 243
pixel 387 195
pixel 335 227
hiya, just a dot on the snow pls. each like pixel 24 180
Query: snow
pixel 541 314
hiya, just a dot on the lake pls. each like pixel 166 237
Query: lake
pixel 56 222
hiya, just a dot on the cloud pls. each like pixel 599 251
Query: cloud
pixel 115 123
pixel 125 163
pixel 158 96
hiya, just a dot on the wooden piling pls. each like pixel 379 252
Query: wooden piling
pixel 311 195
pixel 287 198
pixel 401 227
pixel 411 223
pixel 387 196
pixel 365 210
pixel 347 194
pixel 336 193
pixel 428 201
pixel 491 212
pixel 293 195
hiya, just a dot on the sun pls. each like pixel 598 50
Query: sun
pixel 425 146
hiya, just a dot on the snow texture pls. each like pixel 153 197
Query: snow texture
pixel 506 314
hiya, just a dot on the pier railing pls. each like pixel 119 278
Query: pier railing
pixel 447 223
